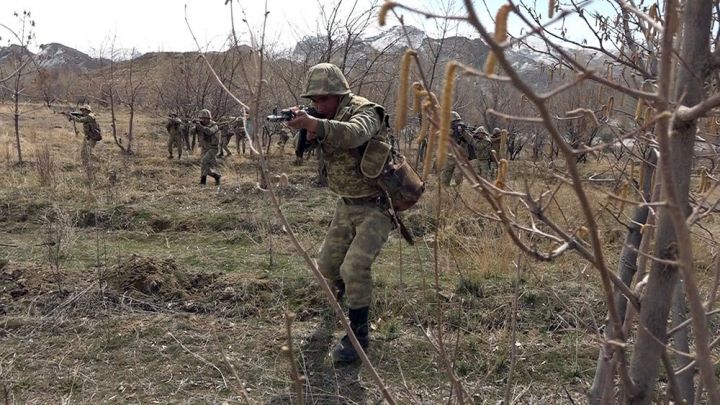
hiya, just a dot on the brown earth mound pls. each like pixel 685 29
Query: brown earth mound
pixel 149 276
pixel 21 281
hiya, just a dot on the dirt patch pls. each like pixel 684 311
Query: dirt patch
pixel 21 282
pixel 149 276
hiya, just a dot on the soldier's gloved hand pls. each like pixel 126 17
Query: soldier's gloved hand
pixel 303 120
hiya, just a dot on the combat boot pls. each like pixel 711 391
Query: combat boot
pixel 217 177
pixel 344 352
pixel 203 180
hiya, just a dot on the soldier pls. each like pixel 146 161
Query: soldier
pixel 361 222
pixel 91 129
pixel 226 133
pixel 483 147
pixel 467 145
pixel 175 135
pixel 207 131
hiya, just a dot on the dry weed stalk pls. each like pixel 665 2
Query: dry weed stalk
pixel 45 167
pixel 287 349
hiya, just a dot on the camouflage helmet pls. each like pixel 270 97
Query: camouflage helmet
pixel 85 107
pixel 481 130
pixel 496 131
pixel 325 79
pixel 455 116
pixel 205 113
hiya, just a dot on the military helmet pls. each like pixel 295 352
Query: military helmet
pixel 325 79
pixel 205 113
pixel 455 116
pixel 481 130
pixel 496 131
pixel 85 107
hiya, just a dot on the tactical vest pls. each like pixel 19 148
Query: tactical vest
pixel 343 165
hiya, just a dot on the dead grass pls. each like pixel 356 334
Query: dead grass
pixel 157 271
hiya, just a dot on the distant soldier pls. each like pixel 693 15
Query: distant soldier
pixel 233 127
pixel 207 131
pixel 174 127
pixel 91 129
pixel 483 147
pixel 467 145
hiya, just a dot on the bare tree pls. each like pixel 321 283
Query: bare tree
pixel 20 59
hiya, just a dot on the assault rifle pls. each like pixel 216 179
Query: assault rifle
pixel 288 115
pixel 302 143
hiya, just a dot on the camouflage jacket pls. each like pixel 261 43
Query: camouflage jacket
pixel 174 126
pixel 208 135
pixel 356 121
pixel 88 121
pixel 482 144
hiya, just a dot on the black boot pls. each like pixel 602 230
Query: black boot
pixel 216 176
pixel 344 352
pixel 203 180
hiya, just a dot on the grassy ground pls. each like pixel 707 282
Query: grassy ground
pixel 141 286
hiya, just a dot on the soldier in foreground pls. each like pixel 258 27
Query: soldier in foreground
pixel 207 131
pixel 361 222
pixel 175 135
pixel 91 129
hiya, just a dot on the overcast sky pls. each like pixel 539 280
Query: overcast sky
pixel 159 25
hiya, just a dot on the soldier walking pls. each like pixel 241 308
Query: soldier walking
pixel 361 222
pixel 467 145
pixel 207 131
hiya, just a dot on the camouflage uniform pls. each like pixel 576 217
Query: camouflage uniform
pixel 361 222
pixel 208 139
pixel 484 152
pixel 175 135
pixel 468 147
pixel 91 129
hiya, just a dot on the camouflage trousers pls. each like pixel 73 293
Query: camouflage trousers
pixel 481 166
pixel 175 141
pixel 208 162
pixel 356 236
pixel 87 148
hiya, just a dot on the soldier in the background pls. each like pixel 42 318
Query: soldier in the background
pixel 91 129
pixel 467 146
pixel 207 131
pixel 483 147
pixel 175 136
pixel 226 133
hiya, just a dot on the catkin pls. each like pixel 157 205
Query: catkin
pixel 648 116
pixel 500 36
pixel 503 144
pixel 445 109
pixel 610 107
pixel 418 94
pixel 386 7
pixel 624 194
pixel 501 179
pixel 638 109
pixel 641 177
pixel 424 125
pixel 432 138
pixel 401 102
pixel 551 8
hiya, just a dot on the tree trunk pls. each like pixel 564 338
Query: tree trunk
pixel 627 267
pixel 663 277
pixel 681 343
